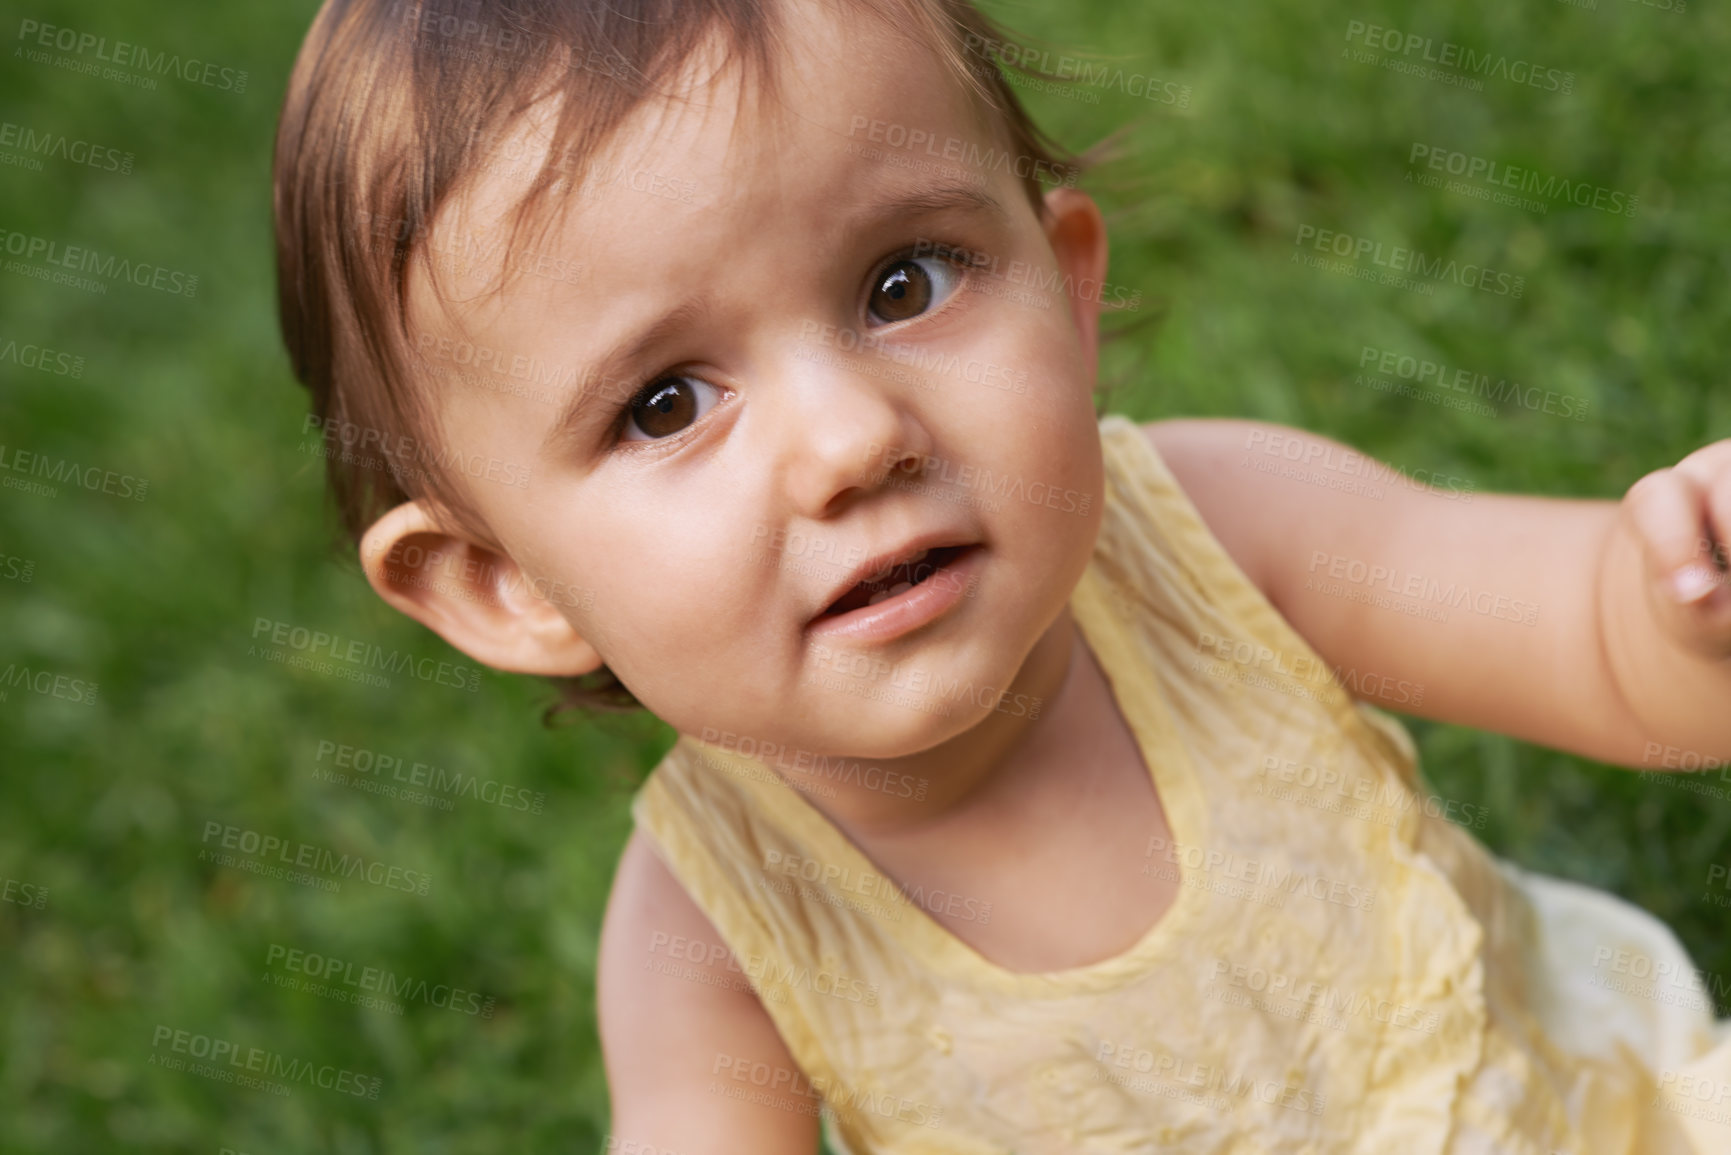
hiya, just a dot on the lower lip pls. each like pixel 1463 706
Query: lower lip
pixel 908 610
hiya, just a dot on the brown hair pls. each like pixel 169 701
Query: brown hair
pixel 393 104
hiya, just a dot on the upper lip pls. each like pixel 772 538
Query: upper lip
pixel 888 559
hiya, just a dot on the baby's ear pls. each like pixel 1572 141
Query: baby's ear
pixel 1077 233
pixel 477 599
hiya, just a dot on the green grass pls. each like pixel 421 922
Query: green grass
pixel 105 804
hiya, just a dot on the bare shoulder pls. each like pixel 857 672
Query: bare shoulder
pixel 646 894
pixel 680 1026
pixel 1424 596
pixel 1208 456
pixel 1274 496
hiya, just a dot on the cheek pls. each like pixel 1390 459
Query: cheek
pixel 678 592
pixel 1053 449
pixel 1037 355
pixel 1047 432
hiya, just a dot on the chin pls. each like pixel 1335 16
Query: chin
pixel 892 733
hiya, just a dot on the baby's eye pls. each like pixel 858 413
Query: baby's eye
pixel 909 286
pixel 666 405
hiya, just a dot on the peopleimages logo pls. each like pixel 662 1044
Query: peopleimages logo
pixel 371 765
pixel 908 463
pixel 1368 581
pixel 47 683
pixel 1461 59
pixel 30 463
pixel 922 684
pixel 80 259
pixel 17 569
pixel 399 451
pixel 766 972
pixel 1263 874
pixel 823 766
pixel 360 656
pixel 1026 62
pixel 262 848
pixel 1443 377
pixel 27 894
pixel 959 150
pixel 330 976
pixel 1222 1083
pixel 1522 180
pixel 41 358
pixel 254 1066
pixel 37 36
pixel 1338 1002
pixel 1031 275
pixel 1353 464
pixel 32 144
pixel 1400 259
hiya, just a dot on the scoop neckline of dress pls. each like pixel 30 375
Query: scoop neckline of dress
pixel 1172 776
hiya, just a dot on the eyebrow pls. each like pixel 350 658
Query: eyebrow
pixel 593 384
pixel 939 197
pixel 603 380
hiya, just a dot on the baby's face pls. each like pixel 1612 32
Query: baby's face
pixel 785 279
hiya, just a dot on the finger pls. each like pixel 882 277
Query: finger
pixel 1716 547
pixel 1668 508
pixel 1710 468
pixel 1707 461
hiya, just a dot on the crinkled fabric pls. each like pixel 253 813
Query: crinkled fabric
pixel 1344 968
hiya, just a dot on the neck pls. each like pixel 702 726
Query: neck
pixel 960 771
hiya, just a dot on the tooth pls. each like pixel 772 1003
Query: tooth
pixel 899 587
pixel 919 557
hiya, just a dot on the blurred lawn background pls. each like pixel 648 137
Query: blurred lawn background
pixel 105 805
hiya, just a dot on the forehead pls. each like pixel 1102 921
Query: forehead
pixel 723 164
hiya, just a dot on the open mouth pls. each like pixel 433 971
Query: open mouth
pixel 895 579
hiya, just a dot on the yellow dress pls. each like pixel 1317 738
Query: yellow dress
pixel 1345 969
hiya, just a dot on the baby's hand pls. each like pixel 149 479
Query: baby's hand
pixel 1682 518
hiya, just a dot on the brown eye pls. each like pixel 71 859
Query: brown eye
pixel 909 287
pixel 663 408
pixel 903 291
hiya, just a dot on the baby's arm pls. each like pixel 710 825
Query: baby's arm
pixel 1562 636
pixel 671 1042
